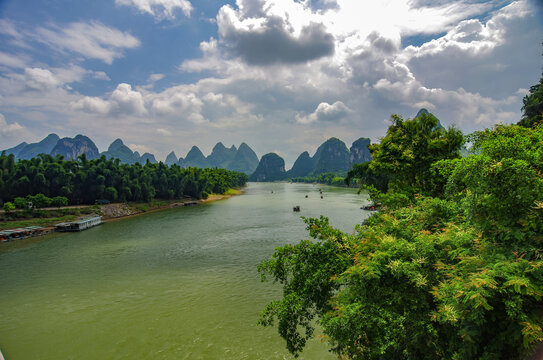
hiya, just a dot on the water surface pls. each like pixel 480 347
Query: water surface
pixel 174 284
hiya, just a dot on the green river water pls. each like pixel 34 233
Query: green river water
pixel 174 284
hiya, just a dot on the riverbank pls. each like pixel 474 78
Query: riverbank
pixel 109 212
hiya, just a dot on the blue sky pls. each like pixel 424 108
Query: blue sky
pixel 280 75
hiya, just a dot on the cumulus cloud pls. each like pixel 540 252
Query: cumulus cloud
pixel 271 38
pixel 325 112
pixel 9 129
pixel 92 105
pixel 122 101
pixel 159 9
pixel 46 79
pixel 288 74
pixel 90 39
pixel 40 79
pixel 128 101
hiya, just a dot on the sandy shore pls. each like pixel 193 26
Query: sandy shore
pixel 118 211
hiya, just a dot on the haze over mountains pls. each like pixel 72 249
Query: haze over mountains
pixel 331 156
pixel 242 159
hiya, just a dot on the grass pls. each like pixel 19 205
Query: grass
pixel 44 218
pixel 232 192
pixel 36 222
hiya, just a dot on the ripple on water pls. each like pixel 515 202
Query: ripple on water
pixel 180 283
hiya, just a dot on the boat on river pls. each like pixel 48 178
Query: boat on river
pixel 22 233
pixel 80 224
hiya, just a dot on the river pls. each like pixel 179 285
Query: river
pixel 174 284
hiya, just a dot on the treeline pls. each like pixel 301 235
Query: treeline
pixel 85 181
pixel 328 178
pixel 451 267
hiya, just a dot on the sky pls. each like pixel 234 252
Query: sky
pixel 281 75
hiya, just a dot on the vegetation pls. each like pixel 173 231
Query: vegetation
pixel 533 106
pixel 328 178
pixel 450 268
pixel 49 180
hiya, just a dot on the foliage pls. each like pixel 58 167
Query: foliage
pixel 39 200
pixel 532 108
pixel 409 149
pixel 20 203
pixel 84 181
pixel 365 175
pixel 59 201
pixel 8 206
pixel 498 187
pixel 328 178
pixel 455 276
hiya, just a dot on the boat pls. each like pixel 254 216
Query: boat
pixel 296 208
pixel 80 224
pixel 21 233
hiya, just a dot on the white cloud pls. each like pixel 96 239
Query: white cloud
pixel 128 101
pixel 123 101
pixel 163 132
pixel 155 77
pixel 159 9
pixel 40 79
pixel 90 39
pixel 142 149
pixel 100 75
pixel 9 129
pixel 12 61
pixel 325 112
pixel 469 75
pixel 92 105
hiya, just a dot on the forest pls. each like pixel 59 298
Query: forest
pixel 85 181
pixel 450 267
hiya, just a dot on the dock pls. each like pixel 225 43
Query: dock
pixel 22 233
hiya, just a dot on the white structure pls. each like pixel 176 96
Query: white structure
pixel 81 224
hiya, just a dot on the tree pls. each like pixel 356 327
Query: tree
pixel 8 207
pixel 59 201
pixel 532 108
pixel 367 177
pixel 409 149
pixel 20 203
pixel 459 276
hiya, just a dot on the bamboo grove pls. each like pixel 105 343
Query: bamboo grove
pixel 84 181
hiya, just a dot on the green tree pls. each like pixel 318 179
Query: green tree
pixel 458 276
pixel 532 108
pixel 8 207
pixel 20 203
pixel 59 201
pixel 409 149
pixel 39 200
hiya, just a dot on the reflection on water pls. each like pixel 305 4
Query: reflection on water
pixel 175 284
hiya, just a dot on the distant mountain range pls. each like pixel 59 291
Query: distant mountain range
pixel 332 156
pixel 242 159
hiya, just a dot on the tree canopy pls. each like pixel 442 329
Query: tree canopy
pixel 532 108
pixel 410 147
pixel 449 274
pixel 85 181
